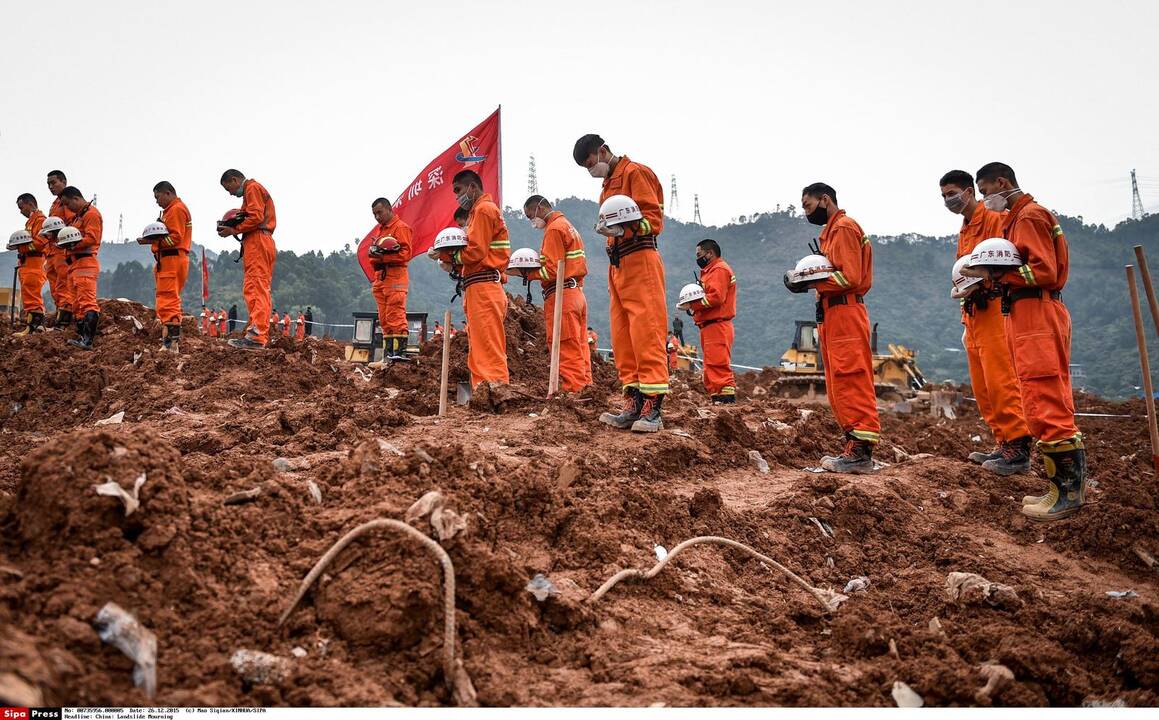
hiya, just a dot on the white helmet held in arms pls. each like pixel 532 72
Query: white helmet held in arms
pixel 451 238
pixel 524 259
pixel 689 294
pixel 619 209
pixel 963 285
pixel 51 224
pixel 152 230
pixel 68 237
pixel 995 252
pixel 18 238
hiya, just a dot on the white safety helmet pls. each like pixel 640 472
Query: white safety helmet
pixel 963 285
pixel 811 267
pixel 68 237
pixel 452 238
pixel 524 259
pixel 995 252
pixel 51 224
pixel 689 294
pixel 18 238
pixel 154 229
pixel 619 209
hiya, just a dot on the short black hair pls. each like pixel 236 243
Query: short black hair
pixel 536 200
pixel 381 201
pixel 71 192
pixel 710 244
pixel 232 174
pixel 959 179
pixel 164 186
pixel 58 175
pixel 461 214
pixel 818 189
pixel 992 171
pixel 469 176
pixel 585 146
pixel 26 198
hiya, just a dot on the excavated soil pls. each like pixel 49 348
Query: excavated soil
pixel 543 488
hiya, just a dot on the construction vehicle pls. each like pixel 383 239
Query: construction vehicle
pixel 896 374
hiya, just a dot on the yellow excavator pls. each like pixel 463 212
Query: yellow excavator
pixel 896 375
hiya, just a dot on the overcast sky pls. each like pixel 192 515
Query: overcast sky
pixel 333 104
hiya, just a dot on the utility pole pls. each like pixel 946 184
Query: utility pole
pixel 696 210
pixel 1136 200
pixel 673 200
pixel 532 181
pixel 121 229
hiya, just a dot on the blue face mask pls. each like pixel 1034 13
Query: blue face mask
pixel 240 190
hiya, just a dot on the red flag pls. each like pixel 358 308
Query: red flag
pixel 204 278
pixel 428 205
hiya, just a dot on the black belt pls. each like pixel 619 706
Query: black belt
pixel 830 301
pixel 706 323
pixel 170 253
pixel 618 249
pixel 69 259
pixel 549 290
pixel 483 276
pixel 1013 296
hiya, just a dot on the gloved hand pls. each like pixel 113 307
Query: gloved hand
pixel 795 287
pixel 613 231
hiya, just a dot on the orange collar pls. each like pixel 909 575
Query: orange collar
pixel 621 168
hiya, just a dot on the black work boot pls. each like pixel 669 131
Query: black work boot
pixel 86 327
pixel 650 420
pixel 1067 472
pixel 397 349
pixel 633 404
pixel 172 339
pixel 978 457
pixel 64 318
pixel 723 399
pixel 31 324
pixel 1015 458
pixel 856 459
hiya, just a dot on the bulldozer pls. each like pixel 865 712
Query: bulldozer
pixel 896 374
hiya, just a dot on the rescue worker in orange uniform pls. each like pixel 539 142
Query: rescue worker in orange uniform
pixel 84 269
pixel 204 320
pixel 256 225
pixel 172 255
pixel 843 329
pixel 992 374
pixel 593 339
pixel 673 348
pixel 300 331
pixel 1038 331
pixel 639 316
pixel 211 323
pixel 222 327
pixel 275 323
pixel 389 255
pixel 713 315
pixel 55 267
pixel 286 325
pixel 30 260
pixel 482 266
pixel 561 241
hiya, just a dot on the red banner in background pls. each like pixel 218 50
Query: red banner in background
pixel 428 204
pixel 204 278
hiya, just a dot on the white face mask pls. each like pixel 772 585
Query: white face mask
pixel 538 223
pixel 600 169
pixel 997 201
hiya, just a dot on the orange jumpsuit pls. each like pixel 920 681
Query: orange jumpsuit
pixel 54 265
pixel 222 323
pixel 561 241
pixel 30 258
pixel 204 322
pixel 286 325
pixel 638 314
pixel 1038 329
pixel 257 231
pixel 81 259
pixel 484 265
pixel 172 255
pixel 593 340
pixel 301 331
pixel 673 348
pixel 713 315
pixel 391 280
pixel 211 324
pixel 987 352
pixel 844 331
pixel 275 320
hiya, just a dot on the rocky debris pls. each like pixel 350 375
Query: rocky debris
pixel 997 677
pixel 759 462
pixel 446 522
pixel 905 697
pixel 120 629
pixel 973 589
pixel 857 584
pixel 115 419
pixel 261 668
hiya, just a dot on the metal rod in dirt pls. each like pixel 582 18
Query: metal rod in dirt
pixel 556 324
pixel 443 374
pixel 12 299
pixel 1145 367
pixel 1148 287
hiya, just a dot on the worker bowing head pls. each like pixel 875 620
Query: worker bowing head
pixel 73 199
pixel 164 193
pixel 383 211
pixel 706 251
pixel 819 201
pixel 958 192
pixel 26 204
pixel 468 187
pixel 592 154
pixel 234 182
pixel 536 209
pixel 998 186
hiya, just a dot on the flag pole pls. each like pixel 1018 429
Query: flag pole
pixel 499 110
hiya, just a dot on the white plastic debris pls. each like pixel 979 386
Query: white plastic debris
pixel 131 499
pixel 260 668
pixel 857 584
pixel 905 697
pixel 1122 594
pixel 120 629
pixel 973 589
pixel 832 598
pixel 661 552
pixel 541 587
pixel 384 446
pixel 315 491
pixel 976 438
pixel 759 462
pixel 112 419
pixel 299 652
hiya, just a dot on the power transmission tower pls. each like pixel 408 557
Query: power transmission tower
pixel 121 229
pixel 696 209
pixel 532 181
pixel 673 199
pixel 1136 201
